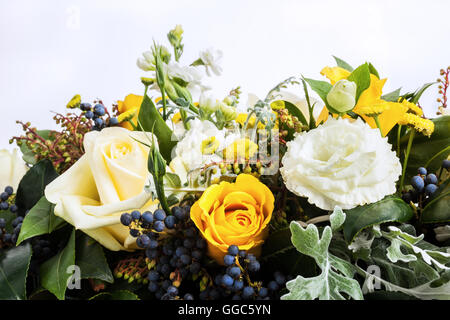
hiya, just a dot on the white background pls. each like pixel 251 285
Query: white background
pixel 51 50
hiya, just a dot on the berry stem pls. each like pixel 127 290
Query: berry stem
pixel 405 162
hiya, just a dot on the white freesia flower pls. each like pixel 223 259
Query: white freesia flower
pixel 208 103
pixel 211 59
pixel 146 63
pixel 186 73
pixel 12 169
pixel 340 163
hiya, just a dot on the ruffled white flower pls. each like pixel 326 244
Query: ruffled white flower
pixel 186 73
pixel 147 63
pixel 211 59
pixel 340 163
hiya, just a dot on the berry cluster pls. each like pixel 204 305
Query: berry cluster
pixel 173 248
pixel 235 282
pixel 9 238
pixel 424 185
pixel 96 114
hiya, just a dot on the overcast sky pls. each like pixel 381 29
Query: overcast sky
pixel 51 50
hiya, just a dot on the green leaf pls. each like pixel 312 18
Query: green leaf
pixel 438 208
pixel 322 88
pixel 151 121
pixel 416 95
pixel 172 180
pixel 337 218
pixel 360 76
pixel 386 210
pixel 293 110
pixel 91 259
pixel 31 187
pixel 40 220
pixel 429 150
pixel 392 96
pixel 27 154
pixel 14 264
pixel 373 70
pixel 115 295
pixel 9 217
pixel 53 272
pixel 344 65
pixel 336 273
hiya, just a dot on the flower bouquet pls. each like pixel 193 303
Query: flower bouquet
pixel 324 189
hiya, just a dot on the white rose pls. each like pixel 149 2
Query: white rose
pixel 105 182
pixel 340 163
pixel 12 169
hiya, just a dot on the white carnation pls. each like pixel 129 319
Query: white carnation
pixel 340 163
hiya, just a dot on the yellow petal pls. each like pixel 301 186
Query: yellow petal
pixel 335 74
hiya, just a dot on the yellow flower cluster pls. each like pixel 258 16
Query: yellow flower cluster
pixel 419 124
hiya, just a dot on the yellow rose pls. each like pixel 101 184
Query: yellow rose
pixel 234 214
pixel 129 107
pixel 107 181
pixel 12 169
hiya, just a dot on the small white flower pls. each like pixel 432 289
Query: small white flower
pixel 12 169
pixel 211 59
pixel 146 63
pixel 340 163
pixel 186 73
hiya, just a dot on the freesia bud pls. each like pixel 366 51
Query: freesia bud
pixel 208 104
pixel 229 112
pixel 342 96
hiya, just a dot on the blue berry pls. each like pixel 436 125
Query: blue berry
pixel 431 179
pixel 418 183
pixel 228 260
pixel 2 223
pixel 236 297
pixel 125 219
pixel 159 215
pixel 422 171
pixel 151 253
pixel 134 232
pixel 263 292
pixel 153 275
pixel 178 212
pixel 254 266
pixel 89 115
pixel 9 190
pixel 143 241
pixel 99 110
pixel 188 296
pixel 227 281
pixel 273 286
pixel 166 284
pixel 185 259
pixel 247 292
pixel 188 243
pixel 430 189
pixel 136 215
pixel 98 122
pixel 238 285
pixel 233 250
pixel 407 197
pixel 172 290
pixel 159 226
pixel 113 121
pixel 153 286
pixel 197 254
pixel 85 106
pixel 4 196
pixel 218 280
pixel 189 233
pixel 147 217
pixel 242 254
pixel 446 164
pixel 279 278
pixel 4 205
pixel 201 243
pixel 7 237
pixel 153 244
pixel 14 208
pixel 195 267
pixel 170 221
pixel 180 251
pixel 234 272
pixel 16 221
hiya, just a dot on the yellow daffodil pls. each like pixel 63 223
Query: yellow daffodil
pixel 129 110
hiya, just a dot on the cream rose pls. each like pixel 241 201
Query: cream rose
pixel 341 163
pixel 106 181
pixel 12 169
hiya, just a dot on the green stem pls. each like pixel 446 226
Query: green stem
pixel 161 195
pixel 163 93
pixel 436 155
pixel 377 121
pixel 399 131
pixel 405 161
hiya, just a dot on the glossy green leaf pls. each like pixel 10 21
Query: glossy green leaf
pixel 373 70
pixel 438 208
pixel 296 112
pixel 151 121
pixel 360 76
pixel 172 180
pixel 31 187
pixel 91 259
pixel 54 272
pixel 40 220
pixel 344 65
pixel 322 88
pixel 386 210
pixel 14 264
pixel 392 96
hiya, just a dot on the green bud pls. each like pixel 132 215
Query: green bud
pixel 342 96
pixel 229 112
pixel 147 81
